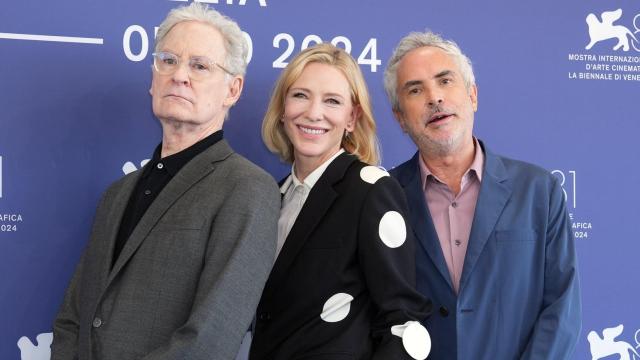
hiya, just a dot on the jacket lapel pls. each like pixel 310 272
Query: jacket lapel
pixel 114 218
pixel 318 202
pixel 495 191
pixel 421 222
pixel 189 175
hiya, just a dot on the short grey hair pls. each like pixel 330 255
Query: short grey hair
pixel 235 45
pixel 417 40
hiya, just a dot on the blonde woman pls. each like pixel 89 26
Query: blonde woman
pixel 342 286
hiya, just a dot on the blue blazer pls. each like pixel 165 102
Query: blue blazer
pixel 519 296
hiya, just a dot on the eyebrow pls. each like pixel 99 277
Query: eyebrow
pixel 309 91
pixel 439 75
pixel 444 73
pixel 411 83
pixel 190 57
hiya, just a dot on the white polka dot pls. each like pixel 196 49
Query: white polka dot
pixel 336 308
pixel 392 230
pixel 371 174
pixel 416 341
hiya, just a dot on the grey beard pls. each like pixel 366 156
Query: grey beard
pixel 439 148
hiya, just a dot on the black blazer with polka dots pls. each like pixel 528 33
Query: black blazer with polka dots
pixel 345 275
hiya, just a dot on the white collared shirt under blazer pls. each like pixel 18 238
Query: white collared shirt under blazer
pixel 294 194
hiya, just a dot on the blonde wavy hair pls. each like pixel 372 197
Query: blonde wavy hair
pixel 362 142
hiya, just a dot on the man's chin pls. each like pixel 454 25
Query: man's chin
pixel 442 146
pixel 175 120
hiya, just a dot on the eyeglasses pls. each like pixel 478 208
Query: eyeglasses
pixel 200 67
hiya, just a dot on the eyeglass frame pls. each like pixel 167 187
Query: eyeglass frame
pixel 179 61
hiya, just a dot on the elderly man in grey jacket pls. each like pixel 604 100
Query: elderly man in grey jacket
pixel 180 250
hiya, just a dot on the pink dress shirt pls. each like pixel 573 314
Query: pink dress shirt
pixel 453 215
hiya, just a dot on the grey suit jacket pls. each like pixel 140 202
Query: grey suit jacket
pixel 188 280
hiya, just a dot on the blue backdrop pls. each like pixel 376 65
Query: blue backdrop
pixel 75 115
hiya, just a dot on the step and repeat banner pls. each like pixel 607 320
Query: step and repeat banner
pixel 559 84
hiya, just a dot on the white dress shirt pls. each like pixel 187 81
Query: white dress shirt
pixel 295 193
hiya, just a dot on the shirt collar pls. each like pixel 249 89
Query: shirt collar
pixel 173 163
pixel 476 165
pixel 311 179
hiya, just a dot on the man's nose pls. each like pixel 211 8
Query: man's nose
pixel 181 75
pixel 434 97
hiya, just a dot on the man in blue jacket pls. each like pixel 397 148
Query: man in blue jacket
pixel 496 254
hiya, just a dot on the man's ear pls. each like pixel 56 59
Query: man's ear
pixel 400 118
pixel 235 89
pixel 473 94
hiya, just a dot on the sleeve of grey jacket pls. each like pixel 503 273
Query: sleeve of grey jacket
pixel 228 293
pixel 67 321
pixel 66 324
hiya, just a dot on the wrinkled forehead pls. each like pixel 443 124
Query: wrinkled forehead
pixel 426 62
pixel 193 38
